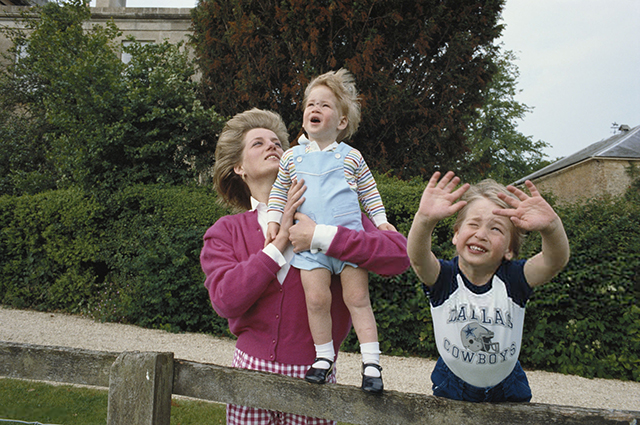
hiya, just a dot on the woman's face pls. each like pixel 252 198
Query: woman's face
pixel 260 156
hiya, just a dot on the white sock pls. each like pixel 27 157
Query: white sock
pixel 324 351
pixel 371 354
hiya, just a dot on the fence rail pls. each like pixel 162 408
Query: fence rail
pixel 141 384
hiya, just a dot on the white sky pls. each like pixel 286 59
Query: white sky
pixel 579 63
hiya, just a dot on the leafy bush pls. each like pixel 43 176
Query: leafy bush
pixel 587 320
pixel 154 248
pixel 133 257
pixel 45 242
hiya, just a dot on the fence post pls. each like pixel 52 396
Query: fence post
pixel 140 386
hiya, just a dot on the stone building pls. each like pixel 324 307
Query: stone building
pixel 147 25
pixel 599 169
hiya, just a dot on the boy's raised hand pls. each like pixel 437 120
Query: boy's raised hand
pixel 439 197
pixel 529 213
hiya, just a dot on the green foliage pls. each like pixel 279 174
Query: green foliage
pixel 132 258
pixel 420 67
pixel 154 248
pixel 45 241
pixel 587 320
pixel 74 115
pixel 497 149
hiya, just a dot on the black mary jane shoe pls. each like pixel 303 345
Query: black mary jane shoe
pixel 317 375
pixel 372 384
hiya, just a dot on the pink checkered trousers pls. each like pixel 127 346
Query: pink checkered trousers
pixel 242 415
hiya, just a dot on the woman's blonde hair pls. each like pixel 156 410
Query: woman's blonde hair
pixel 489 189
pixel 232 190
pixel 343 85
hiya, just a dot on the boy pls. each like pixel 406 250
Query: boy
pixel 478 299
pixel 336 177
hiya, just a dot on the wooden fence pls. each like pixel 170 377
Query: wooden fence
pixel 141 384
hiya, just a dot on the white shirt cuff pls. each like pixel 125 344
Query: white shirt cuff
pixel 274 216
pixel 275 254
pixel 379 219
pixel 322 237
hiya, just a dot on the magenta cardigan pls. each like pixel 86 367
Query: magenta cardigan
pixel 269 318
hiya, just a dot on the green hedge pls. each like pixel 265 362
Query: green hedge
pixel 133 257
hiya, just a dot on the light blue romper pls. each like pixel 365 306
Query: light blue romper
pixel 328 200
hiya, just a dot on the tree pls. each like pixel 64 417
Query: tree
pixel 420 66
pixel 85 118
pixel 497 149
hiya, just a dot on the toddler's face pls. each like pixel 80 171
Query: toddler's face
pixel 322 119
pixel 483 239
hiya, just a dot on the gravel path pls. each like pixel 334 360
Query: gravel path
pixel 400 373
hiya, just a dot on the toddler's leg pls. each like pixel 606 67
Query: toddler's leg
pixel 355 290
pixel 316 284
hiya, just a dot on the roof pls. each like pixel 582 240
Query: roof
pixel 625 145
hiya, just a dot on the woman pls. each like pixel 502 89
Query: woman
pixel 252 285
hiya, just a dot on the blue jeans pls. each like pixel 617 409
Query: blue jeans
pixel 514 387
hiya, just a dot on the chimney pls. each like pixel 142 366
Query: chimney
pixel 624 128
pixel 111 3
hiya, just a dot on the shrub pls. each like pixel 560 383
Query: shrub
pixel 133 257
pixel 46 241
pixel 586 321
pixel 154 248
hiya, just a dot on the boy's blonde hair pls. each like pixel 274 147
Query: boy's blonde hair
pixel 232 190
pixel 343 85
pixel 489 189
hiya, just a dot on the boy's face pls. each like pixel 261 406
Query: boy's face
pixel 322 118
pixel 483 239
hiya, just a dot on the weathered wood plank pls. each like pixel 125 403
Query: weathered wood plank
pixel 350 404
pixel 55 364
pixel 276 392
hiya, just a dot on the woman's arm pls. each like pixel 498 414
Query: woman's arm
pixel 382 252
pixel 235 278
pixel 237 267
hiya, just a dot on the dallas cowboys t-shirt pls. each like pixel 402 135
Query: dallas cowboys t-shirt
pixel 478 329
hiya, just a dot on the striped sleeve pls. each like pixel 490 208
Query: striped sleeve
pixel 280 189
pixel 357 169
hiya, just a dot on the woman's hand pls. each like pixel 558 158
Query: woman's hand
pixel 294 200
pixel 301 233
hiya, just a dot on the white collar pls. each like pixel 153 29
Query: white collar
pixel 312 146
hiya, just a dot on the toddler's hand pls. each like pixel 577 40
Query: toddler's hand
pixel 387 226
pixel 272 231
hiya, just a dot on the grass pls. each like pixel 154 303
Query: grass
pixel 64 404
pixel 30 401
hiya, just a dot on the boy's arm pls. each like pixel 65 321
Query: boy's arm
pixel 438 201
pixel 533 213
pixel 423 260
